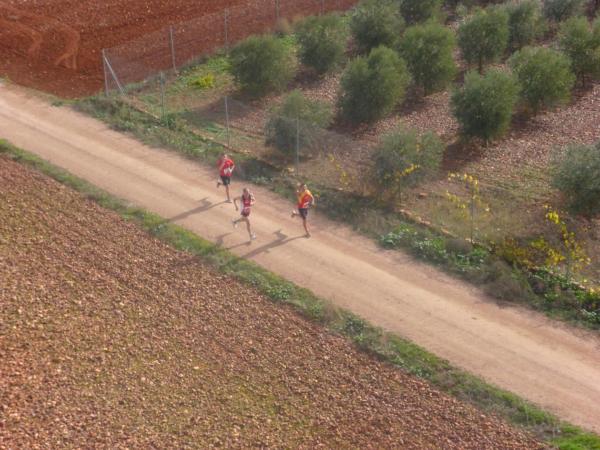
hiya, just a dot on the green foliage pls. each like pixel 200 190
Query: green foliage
pixel 203 82
pixel 559 10
pixel 415 11
pixel 483 37
pixel 484 105
pixel 261 64
pixel 581 43
pixel 428 50
pixel 577 176
pixel 525 23
pixel 405 158
pixel 322 41
pixel 376 22
pixel 371 87
pixel 297 120
pixel 545 76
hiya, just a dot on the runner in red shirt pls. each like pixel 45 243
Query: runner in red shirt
pixel 305 201
pixel 226 167
pixel 247 200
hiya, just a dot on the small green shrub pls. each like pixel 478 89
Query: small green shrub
pixel 560 10
pixel 322 41
pixel 203 82
pixel 405 158
pixel 261 64
pixel 577 175
pixel 376 22
pixel 428 50
pixel 484 105
pixel 371 87
pixel 505 283
pixel 297 121
pixel 415 11
pixel 581 43
pixel 483 37
pixel 525 23
pixel 545 76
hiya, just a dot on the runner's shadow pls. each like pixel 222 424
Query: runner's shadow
pixel 205 206
pixel 282 239
pixel 220 239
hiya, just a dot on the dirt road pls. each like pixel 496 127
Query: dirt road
pixel 545 362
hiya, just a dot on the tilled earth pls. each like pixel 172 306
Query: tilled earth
pixel 111 339
pixel 56 45
pixel 35 34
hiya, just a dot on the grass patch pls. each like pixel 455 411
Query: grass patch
pixel 385 346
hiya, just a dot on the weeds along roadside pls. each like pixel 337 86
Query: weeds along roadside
pixel 540 289
pixel 385 346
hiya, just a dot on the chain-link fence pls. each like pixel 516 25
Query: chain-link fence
pixel 180 44
pixel 331 158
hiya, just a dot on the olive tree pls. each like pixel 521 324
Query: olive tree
pixel 544 75
pixel 376 22
pixel 297 122
pixel 428 50
pixel 372 86
pixel 322 42
pixel 525 23
pixel 262 64
pixel 581 43
pixel 484 36
pixel 484 105
pixel 415 11
pixel 405 158
pixel 560 10
pixel 577 175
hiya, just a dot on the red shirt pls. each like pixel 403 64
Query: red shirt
pixel 247 201
pixel 226 167
pixel 305 198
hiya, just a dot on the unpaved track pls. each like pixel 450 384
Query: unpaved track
pixel 521 351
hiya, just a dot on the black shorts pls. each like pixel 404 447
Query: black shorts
pixel 303 212
pixel 225 180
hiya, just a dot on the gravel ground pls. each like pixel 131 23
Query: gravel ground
pixel 111 339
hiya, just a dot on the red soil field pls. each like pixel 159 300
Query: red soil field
pixel 118 341
pixel 56 45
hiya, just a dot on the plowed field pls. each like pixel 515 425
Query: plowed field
pixel 111 339
pixel 55 45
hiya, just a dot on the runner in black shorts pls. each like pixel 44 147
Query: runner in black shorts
pixel 226 167
pixel 305 201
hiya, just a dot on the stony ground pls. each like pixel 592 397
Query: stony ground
pixel 111 339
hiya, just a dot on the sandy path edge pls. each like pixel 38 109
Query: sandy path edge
pixel 543 361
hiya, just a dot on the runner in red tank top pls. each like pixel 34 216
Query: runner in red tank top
pixel 247 200
pixel 226 166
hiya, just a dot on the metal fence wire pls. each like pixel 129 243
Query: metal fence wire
pixel 181 44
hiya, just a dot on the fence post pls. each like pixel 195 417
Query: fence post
pixel 226 19
pixel 472 214
pixel 172 45
pixel 227 122
pixel 112 72
pixel 106 90
pixel 162 95
pixel 322 8
pixel 297 146
pixel 277 10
